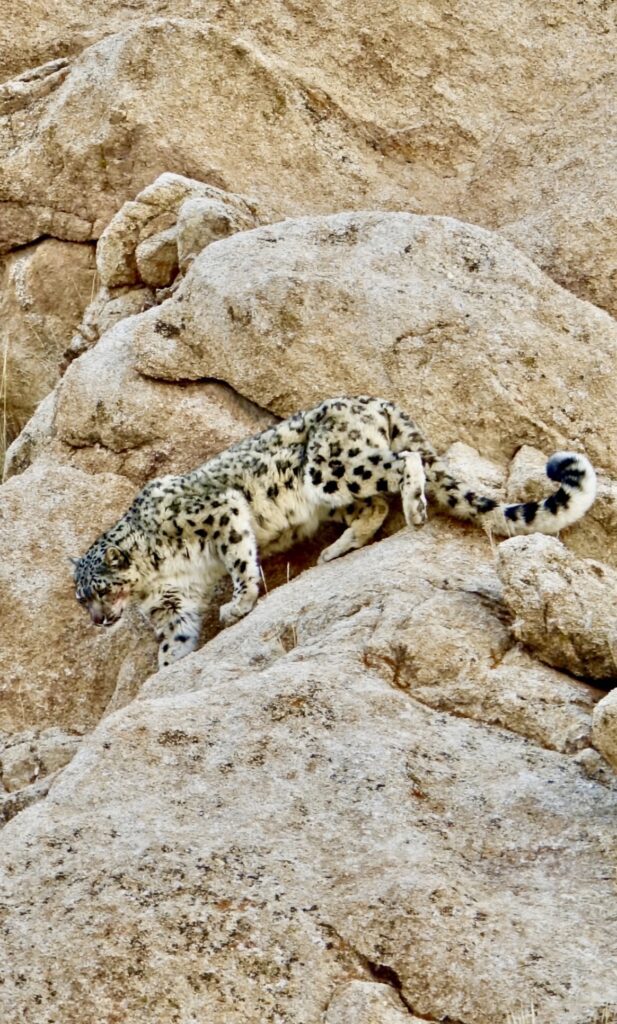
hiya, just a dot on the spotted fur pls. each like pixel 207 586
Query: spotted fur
pixel 340 460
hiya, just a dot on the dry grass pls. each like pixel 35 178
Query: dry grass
pixel 523 1017
pixel 605 1015
pixel 608 1015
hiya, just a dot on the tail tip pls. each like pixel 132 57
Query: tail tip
pixel 571 469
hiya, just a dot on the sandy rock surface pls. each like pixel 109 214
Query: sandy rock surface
pixel 389 793
pixel 564 607
pixel 477 112
pixel 33 754
pixel 107 417
pixel 605 727
pixel 277 817
pixel 112 414
pixel 150 127
pixel 44 290
pixel 108 307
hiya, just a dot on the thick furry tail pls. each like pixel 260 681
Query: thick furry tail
pixel 574 495
pixel 572 472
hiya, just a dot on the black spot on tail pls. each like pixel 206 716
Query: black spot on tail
pixel 560 499
pixel 479 503
pixel 573 478
pixel 529 511
pixel 565 469
pixel 485 505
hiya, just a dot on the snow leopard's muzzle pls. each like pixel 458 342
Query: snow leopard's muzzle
pixel 102 615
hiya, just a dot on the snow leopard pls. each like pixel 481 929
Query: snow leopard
pixel 341 460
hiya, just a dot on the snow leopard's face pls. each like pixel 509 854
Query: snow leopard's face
pixel 103 581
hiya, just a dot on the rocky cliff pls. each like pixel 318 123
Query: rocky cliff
pixel 388 794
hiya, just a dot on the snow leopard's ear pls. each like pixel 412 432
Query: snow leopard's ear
pixel 73 561
pixel 116 558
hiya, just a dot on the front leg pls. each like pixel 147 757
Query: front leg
pixel 237 549
pixel 177 629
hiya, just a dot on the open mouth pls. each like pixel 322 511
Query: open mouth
pixel 110 620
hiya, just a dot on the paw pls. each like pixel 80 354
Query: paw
pixel 415 512
pixel 419 515
pixel 232 612
pixel 327 555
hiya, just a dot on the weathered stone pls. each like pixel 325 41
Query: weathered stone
pixel 271 139
pixel 564 607
pixel 568 231
pixel 17 801
pixel 364 1002
pixel 592 762
pixel 483 474
pixel 114 419
pixel 605 727
pixel 44 290
pixel 157 258
pixel 454 654
pixel 202 220
pixel 304 824
pixel 106 309
pixel 333 106
pixel 34 440
pixel 32 85
pixel 33 754
pixel 57 668
pixel 144 230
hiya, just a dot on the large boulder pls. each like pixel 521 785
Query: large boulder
pixel 281 815
pixel 564 608
pixel 57 669
pixel 444 317
pixel 116 418
pixel 105 417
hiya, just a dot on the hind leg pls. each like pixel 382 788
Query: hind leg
pixel 412 489
pixel 363 519
pixel 369 473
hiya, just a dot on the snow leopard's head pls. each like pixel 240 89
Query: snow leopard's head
pixel 104 578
